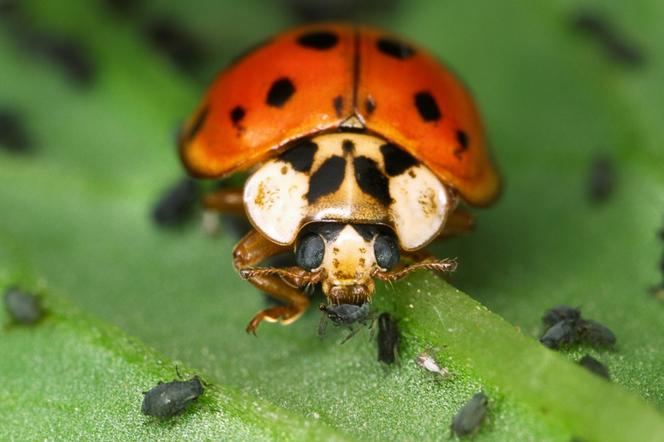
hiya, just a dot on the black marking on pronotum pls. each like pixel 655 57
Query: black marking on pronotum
pixel 329 231
pixel 280 92
pixel 616 46
pixel 301 155
pixel 463 140
pixel 184 50
pixel 397 160
pixel 338 104
pixel 427 107
pixel 170 399
pixel 369 104
pixel 327 178
pixel 371 180
pixel 395 48
pixel 320 40
pixel 198 123
pixel 237 114
pixel 348 147
pixel 366 231
pixel 13 135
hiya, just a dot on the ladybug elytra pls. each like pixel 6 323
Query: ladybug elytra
pixel 361 147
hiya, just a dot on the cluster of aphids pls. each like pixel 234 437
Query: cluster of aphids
pixel 467 420
pixel 566 327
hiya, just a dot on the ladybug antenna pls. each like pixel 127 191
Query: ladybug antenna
pixel 444 265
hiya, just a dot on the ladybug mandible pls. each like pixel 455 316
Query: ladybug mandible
pixel 361 147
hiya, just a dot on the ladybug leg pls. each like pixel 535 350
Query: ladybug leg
pixel 227 200
pixel 253 249
pixel 459 221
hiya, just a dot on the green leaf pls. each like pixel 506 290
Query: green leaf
pixel 75 214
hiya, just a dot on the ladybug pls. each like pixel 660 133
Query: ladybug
pixel 360 147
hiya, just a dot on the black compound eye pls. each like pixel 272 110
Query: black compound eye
pixel 386 251
pixel 309 251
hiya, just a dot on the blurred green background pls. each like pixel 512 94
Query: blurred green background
pixel 91 95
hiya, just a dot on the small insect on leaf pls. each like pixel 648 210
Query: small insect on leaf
pixel 560 313
pixel 468 420
pixel 561 333
pixel 176 204
pixel 595 334
pixel 170 399
pixel 594 366
pixel 22 307
pixel 601 179
pixel 388 338
pixel 427 361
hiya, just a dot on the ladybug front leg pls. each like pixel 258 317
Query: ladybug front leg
pixel 459 221
pixel 253 249
pixel 225 200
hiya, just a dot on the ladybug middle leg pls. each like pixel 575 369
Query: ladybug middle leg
pixel 253 249
pixel 459 221
pixel 225 200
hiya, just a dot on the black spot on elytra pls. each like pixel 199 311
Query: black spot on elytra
pixel 320 40
pixel 280 92
pixel 464 142
pixel 338 104
pixel 237 114
pixel 366 231
pixel 397 160
pixel 427 107
pixel 395 48
pixel 371 180
pixel 198 123
pixel 369 104
pixel 177 204
pixel 348 147
pixel 13 135
pixel 327 178
pixel 301 155
pixel 179 45
pixel 615 45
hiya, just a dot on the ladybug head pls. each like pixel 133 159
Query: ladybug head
pixel 347 257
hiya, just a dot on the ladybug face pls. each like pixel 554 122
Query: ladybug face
pixel 347 256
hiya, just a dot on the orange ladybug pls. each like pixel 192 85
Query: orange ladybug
pixel 360 146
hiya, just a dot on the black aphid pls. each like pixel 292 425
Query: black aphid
pixel 615 44
pixel 595 334
pixel 595 366
pixel 468 420
pixel 22 307
pixel 388 338
pixel 183 49
pixel 560 313
pixel 601 179
pixel 176 204
pixel 170 399
pixel 13 134
pixel 566 327
pixel 344 315
pixel 561 333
